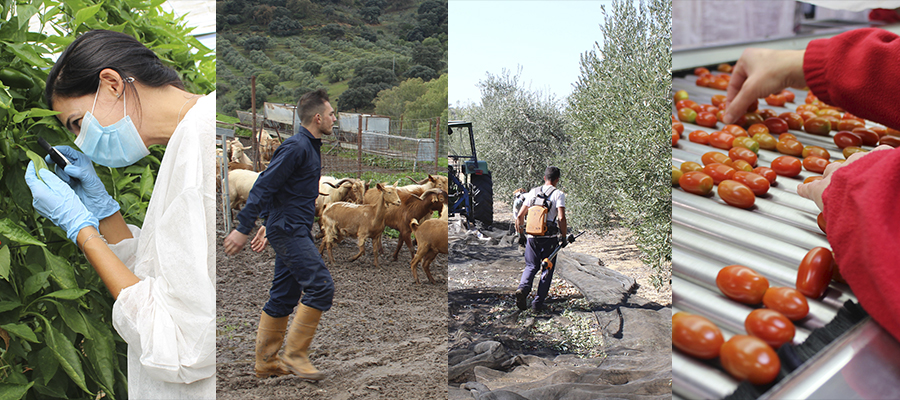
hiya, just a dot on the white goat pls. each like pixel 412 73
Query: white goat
pixel 240 181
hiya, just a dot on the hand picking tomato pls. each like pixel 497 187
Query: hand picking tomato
pixel 758 184
pixel 696 335
pixel 717 99
pixel 771 326
pixel 742 284
pixel 736 194
pixel 786 166
pixel 787 301
pixel 696 182
pixel 815 272
pixel 750 358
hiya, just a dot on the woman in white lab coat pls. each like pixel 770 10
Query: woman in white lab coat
pixel 116 96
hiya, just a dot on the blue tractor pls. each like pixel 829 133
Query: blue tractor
pixel 471 186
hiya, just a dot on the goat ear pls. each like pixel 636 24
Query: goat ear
pixel 379 187
pixel 397 183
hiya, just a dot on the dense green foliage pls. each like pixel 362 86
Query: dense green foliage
pixel 338 45
pixel 611 138
pixel 55 313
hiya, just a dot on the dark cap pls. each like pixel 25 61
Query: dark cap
pixel 551 173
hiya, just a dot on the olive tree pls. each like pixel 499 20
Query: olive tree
pixel 621 129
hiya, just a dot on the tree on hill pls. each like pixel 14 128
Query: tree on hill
pixel 263 14
pixel 256 43
pixel 284 26
pixel 429 53
pixel 371 76
pixel 333 31
pixel 420 71
pixel 392 102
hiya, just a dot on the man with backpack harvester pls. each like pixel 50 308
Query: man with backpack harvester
pixel 544 233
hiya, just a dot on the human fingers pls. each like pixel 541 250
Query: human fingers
pixel 814 190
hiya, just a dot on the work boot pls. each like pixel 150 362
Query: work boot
pixel 521 299
pixel 296 347
pixel 268 341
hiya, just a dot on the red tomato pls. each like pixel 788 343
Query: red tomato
pixel 815 272
pixel 832 120
pixel 698 136
pixel 741 153
pixel 696 182
pixel 696 335
pixel 719 83
pixel 816 151
pixel 788 95
pixel 790 147
pixel 757 128
pixel 770 326
pixel 718 99
pixel 869 137
pixel 753 106
pixel 757 183
pixel 706 119
pixel 678 126
pixel 776 125
pixel 767 173
pixel 817 126
pixel 786 136
pixel 749 119
pixel 719 172
pixel 704 80
pixel 787 301
pixel 820 220
pixel 736 194
pixel 685 103
pixel 849 125
pixel 892 141
pixel 735 130
pixel 815 164
pixel 880 130
pixel 715 157
pixel 675 137
pixel 709 108
pixel 750 358
pixel 776 100
pixel 742 284
pixel 846 139
pixel 721 140
pixel 794 120
pixel 688 166
pixel 787 166
pixel 700 71
pixel 687 114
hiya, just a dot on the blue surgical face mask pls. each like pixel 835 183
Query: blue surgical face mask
pixel 117 145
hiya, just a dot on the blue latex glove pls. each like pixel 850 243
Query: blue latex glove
pixel 86 184
pixel 56 201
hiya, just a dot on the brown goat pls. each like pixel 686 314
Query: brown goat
pixel 432 239
pixel 360 221
pixel 413 207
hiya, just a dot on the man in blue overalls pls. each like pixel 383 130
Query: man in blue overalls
pixel 539 247
pixel 287 191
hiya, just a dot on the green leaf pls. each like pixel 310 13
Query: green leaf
pixel 9 391
pixel 34 283
pixel 48 362
pixel 101 352
pixel 27 53
pixel 73 318
pixel 16 233
pixel 62 272
pixel 67 294
pixel 9 305
pixel 39 163
pixel 66 355
pixel 33 113
pixel 24 13
pixel 146 182
pixel 22 331
pixel 5 97
pixel 121 183
pixel 85 13
pixel 4 262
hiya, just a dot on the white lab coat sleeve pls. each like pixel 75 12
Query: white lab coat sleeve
pixel 126 250
pixel 171 316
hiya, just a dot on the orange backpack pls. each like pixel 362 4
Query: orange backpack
pixel 536 221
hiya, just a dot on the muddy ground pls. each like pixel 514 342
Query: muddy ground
pixel 384 338
pixel 603 335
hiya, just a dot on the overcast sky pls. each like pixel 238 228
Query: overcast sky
pixel 544 38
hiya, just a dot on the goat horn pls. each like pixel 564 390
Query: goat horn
pixel 414 181
pixel 323 194
pixel 330 184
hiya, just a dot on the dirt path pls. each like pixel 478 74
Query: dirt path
pixel 385 336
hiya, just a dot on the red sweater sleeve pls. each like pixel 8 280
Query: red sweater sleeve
pixel 863 223
pixel 857 71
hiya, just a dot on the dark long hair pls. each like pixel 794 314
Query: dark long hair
pixel 77 71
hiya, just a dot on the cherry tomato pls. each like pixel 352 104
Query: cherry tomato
pixel 813 178
pixel 749 119
pixel 681 95
pixel 832 120
pixel 688 166
pixel 869 137
pixel 676 174
pixel 736 194
pixel 721 140
pixel 753 106
pixel 750 358
pixel 794 120
pixel 787 301
pixel 719 83
pixel 815 164
pixel 747 143
pixel 742 284
pixel 815 272
pixel 678 127
pixel 767 113
pixel 891 131
pixel 824 112
pixel 807 107
pixel 820 220
pixel 786 136
pixel 786 166
pixel 715 157
pixel 700 71
pixel 706 119
pixel 788 95
pixel 880 130
pixel 848 151
pixel 685 103
pixel 806 116
pixel 849 125
pixel 704 80
pixel 892 141
pixel 766 141
pixel 817 126
pixel 741 153
pixel 699 136
pixel 776 125
pixel 790 147
pixel 696 182
pixel 719 172
pixel 771 326
pixel 816 151
pixel 696 335
pixel 687 114
pixel 846 139
pixel 735 130
pixel 718 99
pixel 709 108
pixel 767 173
pixel 776 100
pixel 724 68
pixel 757 128
pixel 741 165
pixel 851 116
pixel 757 183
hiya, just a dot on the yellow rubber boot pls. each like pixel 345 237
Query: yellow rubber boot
pixel 296 347
pixel 269 337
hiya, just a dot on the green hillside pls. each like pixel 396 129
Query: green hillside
pixel 355 49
